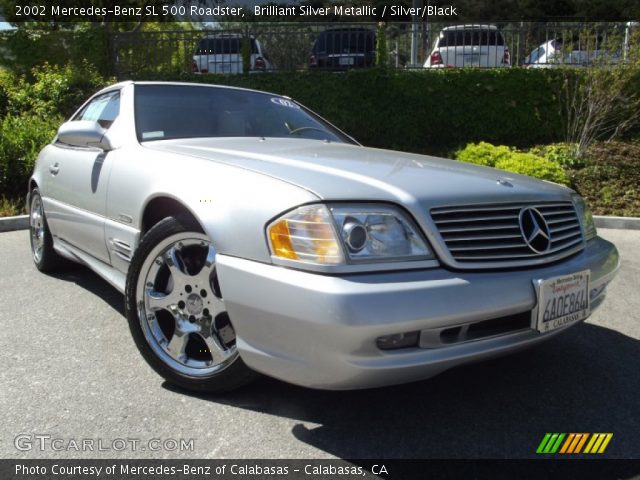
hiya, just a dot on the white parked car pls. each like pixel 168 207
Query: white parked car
pixel 552 54
pixel 469 46
pixel 222 53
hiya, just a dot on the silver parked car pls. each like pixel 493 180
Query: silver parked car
pixel 249 235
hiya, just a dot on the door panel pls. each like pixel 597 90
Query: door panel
pixel 76 206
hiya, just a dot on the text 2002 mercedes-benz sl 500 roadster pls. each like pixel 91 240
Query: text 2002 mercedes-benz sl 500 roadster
pixel 250 235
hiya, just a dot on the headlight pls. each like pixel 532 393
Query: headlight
pixel 346 233
pixel 585 216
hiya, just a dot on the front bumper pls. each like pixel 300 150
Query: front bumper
pixel 320 331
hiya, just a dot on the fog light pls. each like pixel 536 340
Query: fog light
pixel 398 340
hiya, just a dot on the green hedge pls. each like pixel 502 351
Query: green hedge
pixel 610 178
pixel 420 111
pixel 512 160
pixel 31 111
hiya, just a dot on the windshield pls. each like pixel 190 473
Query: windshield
pixel 165 112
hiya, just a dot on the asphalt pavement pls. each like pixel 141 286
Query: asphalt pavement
pixel 71 378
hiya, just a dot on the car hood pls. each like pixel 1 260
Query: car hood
pixel 337 171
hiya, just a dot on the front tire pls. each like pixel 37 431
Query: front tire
pixel 176 312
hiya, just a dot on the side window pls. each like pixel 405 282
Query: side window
pixel 103 109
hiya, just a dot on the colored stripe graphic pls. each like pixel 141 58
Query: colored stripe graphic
pixel 598 442
pixel 573 443
pixel 550 443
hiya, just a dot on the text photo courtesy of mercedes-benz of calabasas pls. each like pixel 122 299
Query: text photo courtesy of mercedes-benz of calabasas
pixel 248 235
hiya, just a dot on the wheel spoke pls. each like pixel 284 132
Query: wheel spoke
pixel 176 266
pixel 217 305
pixel 161 301
pixel 178 344
pixel 216 349
pixel 207 268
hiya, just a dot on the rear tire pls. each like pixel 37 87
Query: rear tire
pixel 44 256
pixel 176 312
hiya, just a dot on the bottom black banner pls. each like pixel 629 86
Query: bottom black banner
pixel 297 469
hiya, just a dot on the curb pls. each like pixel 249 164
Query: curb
pixel 21 222
pixel 625 223
pixel 8 224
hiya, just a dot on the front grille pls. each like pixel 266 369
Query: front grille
pixel 491 233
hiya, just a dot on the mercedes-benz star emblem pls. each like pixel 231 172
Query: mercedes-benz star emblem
pixel 534 230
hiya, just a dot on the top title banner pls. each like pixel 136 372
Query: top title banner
pixel 456 11
pixel 202 13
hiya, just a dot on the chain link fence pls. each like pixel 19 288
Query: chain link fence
pixel 300 46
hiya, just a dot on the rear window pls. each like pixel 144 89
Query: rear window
pixel 218 46
pixel 345 42
pixel 473 37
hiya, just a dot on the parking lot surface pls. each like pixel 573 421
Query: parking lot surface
pixel 70 370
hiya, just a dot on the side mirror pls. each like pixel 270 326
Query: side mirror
pixel 84 133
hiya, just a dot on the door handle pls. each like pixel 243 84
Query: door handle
pixel 54 169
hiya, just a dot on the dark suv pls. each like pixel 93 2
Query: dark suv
pixel 343 48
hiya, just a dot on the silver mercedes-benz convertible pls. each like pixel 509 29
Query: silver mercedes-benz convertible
pixel 248 235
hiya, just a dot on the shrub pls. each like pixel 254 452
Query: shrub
pixel 484 153
pixel 610 180
pixel 533 166
pixel 507 158
pixel 22 138
pixel 564 154
pixel 52 91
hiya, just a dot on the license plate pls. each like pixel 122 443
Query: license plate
pixel 221 68
pixel 346 60
pixel 562 300
pixel 472 58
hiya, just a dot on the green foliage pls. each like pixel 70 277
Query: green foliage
pixel 4 99
pixel 610 179
pixel 33 110
pixel 510 159
pixel 484 153
pixel 564 154
pixel 22 139
pixel 10 207
pixel 382 53
pixel 53 90
pixel 534 166
pixel 245 53
pixel 24 49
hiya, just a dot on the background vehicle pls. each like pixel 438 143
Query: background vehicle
pixel 555 53
pixel 343 48
pixel 469 46
pixel 222 53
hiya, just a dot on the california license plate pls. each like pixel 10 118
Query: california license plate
pixel 562 300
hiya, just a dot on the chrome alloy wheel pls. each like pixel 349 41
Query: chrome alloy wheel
pixel 36 228
pixel 180 307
